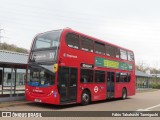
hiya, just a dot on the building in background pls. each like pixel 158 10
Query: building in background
pixel 142 80
pixel 12 73
pixel 155 75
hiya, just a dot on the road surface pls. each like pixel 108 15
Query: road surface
pixel 146 101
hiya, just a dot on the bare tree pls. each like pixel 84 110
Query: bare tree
pixel 142 66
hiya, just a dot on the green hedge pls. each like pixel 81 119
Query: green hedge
pixel 156 86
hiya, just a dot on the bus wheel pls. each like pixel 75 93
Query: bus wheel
pixel 85 98
pixel 124 93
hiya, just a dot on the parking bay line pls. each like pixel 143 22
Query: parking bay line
pixel 149 108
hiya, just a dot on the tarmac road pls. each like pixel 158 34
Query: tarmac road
pixel 145 101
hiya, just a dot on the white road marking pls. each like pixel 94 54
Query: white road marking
pixel 143 110
pixel 149 108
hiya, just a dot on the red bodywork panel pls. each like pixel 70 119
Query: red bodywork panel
pixel 71 57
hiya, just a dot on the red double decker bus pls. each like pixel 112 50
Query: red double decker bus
pixel 66 67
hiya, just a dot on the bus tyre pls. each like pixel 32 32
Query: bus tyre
pixel 85 98
pixel 124 94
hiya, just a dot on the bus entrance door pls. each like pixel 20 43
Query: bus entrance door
pixel 110 84
pixel 67 79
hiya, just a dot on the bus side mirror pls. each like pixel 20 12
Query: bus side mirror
pixel 55 68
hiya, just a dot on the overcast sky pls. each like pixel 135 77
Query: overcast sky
pixel 133 24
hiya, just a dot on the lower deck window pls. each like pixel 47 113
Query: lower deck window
pixel 123 77
pixel 99 76
pixel 86 75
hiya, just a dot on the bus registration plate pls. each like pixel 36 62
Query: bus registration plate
pixel 37 100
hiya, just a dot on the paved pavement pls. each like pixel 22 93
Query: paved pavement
pixel 146 101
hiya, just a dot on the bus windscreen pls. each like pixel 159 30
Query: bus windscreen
pixel 40 75
pixel 45 47
pixel 47 40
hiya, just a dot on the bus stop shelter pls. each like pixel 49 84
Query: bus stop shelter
pixel 12 73
pixel 142 80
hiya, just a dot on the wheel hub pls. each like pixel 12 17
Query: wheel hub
pixel 85 97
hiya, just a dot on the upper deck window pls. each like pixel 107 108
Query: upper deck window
pixel 117 52
pixel 99 48
pixel 47 40
pixel 72 40
pixel 130 56
pixel 110 51
pixel 86 44
pixel 123 54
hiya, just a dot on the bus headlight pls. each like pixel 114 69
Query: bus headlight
pixel 51 93
pixel 27 91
